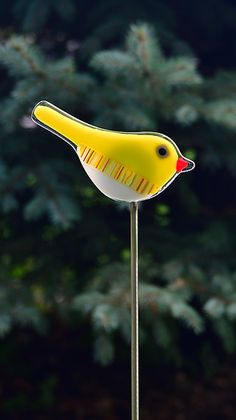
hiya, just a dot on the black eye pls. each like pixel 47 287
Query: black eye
pixel 162 151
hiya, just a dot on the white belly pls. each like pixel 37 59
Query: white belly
pixel 110 187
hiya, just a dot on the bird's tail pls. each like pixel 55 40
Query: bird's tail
pixel 59 122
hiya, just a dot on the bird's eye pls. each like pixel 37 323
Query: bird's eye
pixel 162 151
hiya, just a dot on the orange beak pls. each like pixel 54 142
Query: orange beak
pixel 184 165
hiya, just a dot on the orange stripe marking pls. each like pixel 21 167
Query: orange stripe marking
pixel 139 185
pixel 89 157
pixel 144 186
pixel 103 169
pixel 82 152
pixel 99 161
pixel 149 192
pixel 120 172
pixel 86 155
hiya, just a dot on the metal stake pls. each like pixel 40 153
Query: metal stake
pixel 134 311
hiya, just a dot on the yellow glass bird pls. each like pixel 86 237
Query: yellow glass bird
pixel 124 166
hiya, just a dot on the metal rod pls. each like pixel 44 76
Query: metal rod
pixel 134 311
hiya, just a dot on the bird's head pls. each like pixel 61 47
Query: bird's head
pixel 169 161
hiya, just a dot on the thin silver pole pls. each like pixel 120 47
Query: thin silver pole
pixel 134 311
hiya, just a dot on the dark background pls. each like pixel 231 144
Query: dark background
pixel 64 248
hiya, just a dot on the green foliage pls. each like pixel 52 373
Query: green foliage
pixel 17 305
pixel 143 86
pixel 150 87
pixel 28 12
pixel 36 77
pixel 64 246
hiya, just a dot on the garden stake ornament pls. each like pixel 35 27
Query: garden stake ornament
pixel 124 166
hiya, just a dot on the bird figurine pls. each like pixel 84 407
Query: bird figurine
pixel 127 166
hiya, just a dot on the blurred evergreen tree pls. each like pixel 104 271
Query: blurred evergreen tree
pixel 64 247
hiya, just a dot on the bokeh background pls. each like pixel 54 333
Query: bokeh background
pixel 167 66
